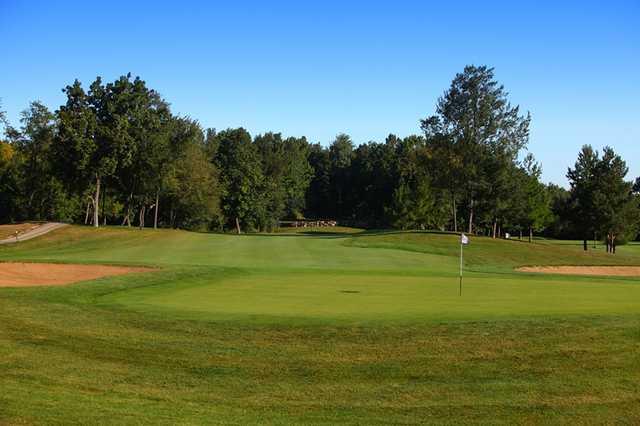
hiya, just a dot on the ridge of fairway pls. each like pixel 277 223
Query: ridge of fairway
pixel 401 252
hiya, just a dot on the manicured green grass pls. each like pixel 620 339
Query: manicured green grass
pixel 360 328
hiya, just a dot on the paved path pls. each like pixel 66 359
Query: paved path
pixel 33 233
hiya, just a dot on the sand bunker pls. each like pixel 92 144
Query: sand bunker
pixel 623 271
pixel 48 274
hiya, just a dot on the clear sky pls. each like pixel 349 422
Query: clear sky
pixel 363 68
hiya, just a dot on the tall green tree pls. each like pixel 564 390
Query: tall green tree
pixel 94 133
pixel 583 179
pixel 374 179
pixel 416 204
pixel 149 129
pixel 78 152
pixel 38 198
pixel 340 157
pixel 318 195
pixel 618 206
pixel 603 202
pixel 287 174
pixel 445 165
pixel 475 117
pixel 535 199
pixel 243 196
pixel 192 189
pixel 561 222
pixel 8 183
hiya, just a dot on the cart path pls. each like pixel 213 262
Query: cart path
pixel 33 233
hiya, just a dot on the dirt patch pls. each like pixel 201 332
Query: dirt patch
pixel 623 271
pixel 50 274
pixel 7 231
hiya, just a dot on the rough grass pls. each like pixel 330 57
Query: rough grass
pixel 272 330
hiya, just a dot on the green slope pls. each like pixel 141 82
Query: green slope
pixel 362 328
pixel 364 277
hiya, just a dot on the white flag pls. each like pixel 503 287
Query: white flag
pixel 464 239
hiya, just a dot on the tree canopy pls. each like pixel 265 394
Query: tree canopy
pixel 114 153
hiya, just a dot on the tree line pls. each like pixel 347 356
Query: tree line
pixel 114 153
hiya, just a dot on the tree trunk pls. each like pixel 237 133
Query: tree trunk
pixel 238 225
pixel 520 237
pixel 495 225
pixel 530 234
pixel 584 244
pixel 471 217
pixel 86 216
pixel 104 201
pixel 96 203
pixel 155 211
pixel 455 214
pixel 613 244
pixel 141 218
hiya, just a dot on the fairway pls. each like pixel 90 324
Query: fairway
pixel 318 328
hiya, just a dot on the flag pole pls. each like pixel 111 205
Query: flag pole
pixel 460 292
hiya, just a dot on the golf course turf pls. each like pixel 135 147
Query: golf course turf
pixel 351 327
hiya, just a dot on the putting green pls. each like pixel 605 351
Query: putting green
pixel 359 277
pixel 382 297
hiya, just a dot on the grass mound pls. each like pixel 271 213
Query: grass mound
pixel 490 254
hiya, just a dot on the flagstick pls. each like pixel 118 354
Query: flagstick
pixel 460 294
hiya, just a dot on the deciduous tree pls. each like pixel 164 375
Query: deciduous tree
pixel 476 118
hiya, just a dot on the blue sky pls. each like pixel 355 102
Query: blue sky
pixel 363 68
